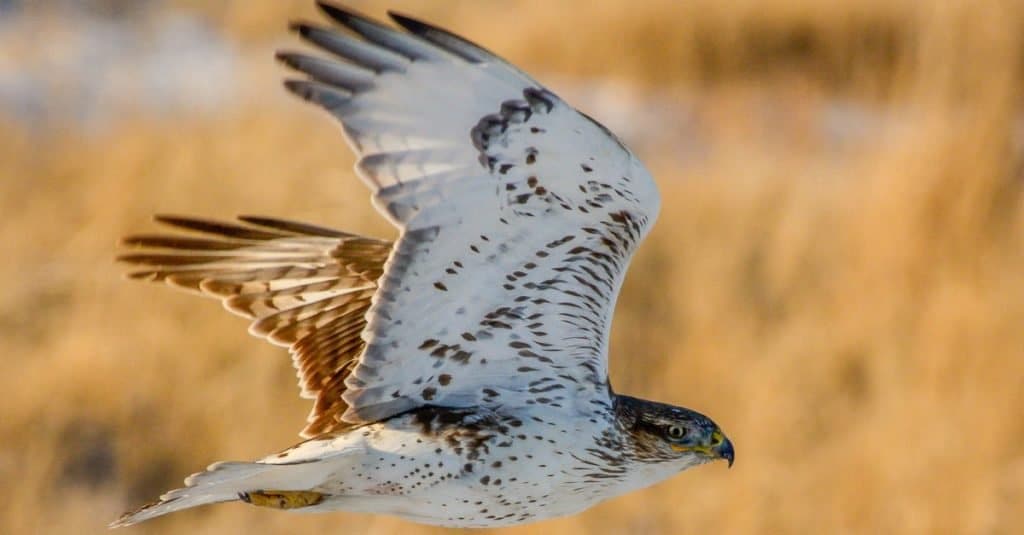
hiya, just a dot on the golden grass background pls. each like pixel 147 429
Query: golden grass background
pixel 851 314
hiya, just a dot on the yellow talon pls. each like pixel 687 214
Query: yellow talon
pixel 282 499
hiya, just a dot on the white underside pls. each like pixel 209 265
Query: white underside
pixel 397 470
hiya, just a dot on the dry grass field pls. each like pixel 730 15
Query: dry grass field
pixel 837 275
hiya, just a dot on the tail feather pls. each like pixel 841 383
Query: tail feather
pixel 223 482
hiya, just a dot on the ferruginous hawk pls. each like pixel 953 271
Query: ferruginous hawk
pixel 460 374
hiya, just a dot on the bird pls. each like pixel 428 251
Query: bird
pixel 459 375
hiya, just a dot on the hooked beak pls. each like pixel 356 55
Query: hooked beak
pixel 718 446
pixel 724 451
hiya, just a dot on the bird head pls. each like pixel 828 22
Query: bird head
pixel 665 433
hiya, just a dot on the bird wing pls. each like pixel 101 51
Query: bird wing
pixel 304 287
pixel 518 217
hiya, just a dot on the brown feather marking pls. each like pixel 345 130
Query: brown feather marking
pixel 304 286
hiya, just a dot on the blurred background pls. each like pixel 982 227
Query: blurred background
pixel 837 275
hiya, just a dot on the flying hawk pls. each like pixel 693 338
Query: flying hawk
pixel 460 374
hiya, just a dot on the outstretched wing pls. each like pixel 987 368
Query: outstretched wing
pixel 518 216
pixel 304 287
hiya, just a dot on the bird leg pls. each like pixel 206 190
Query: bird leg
pixel 281 499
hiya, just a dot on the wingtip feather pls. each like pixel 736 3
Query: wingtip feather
pixel 343 14
pixel 406 21
pixel 300 27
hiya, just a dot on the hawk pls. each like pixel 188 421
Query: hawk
pixel 460 374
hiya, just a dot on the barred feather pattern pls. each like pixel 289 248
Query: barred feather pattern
pixel 304 287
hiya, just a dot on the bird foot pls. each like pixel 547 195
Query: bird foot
pixel 282 499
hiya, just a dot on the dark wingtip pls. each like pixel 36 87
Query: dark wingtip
pixel 343 15
pixel 134 240
pixel 170 219
pixel 287 58
pixel 299 88
pixel 409 23
pixel 296 227
pixel 445 39
pixel 260 220
pixel 300 27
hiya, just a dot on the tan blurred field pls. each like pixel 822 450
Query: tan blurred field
pixel 848 306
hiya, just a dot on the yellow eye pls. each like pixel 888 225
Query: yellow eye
pixel 675 432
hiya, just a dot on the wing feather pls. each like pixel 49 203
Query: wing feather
pixel 304 287
pixel 388 38
pixel 518 217
pixel 460 46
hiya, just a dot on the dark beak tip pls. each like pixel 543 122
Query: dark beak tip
pixel 726 452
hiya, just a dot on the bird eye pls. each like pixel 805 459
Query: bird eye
pixel 676 432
